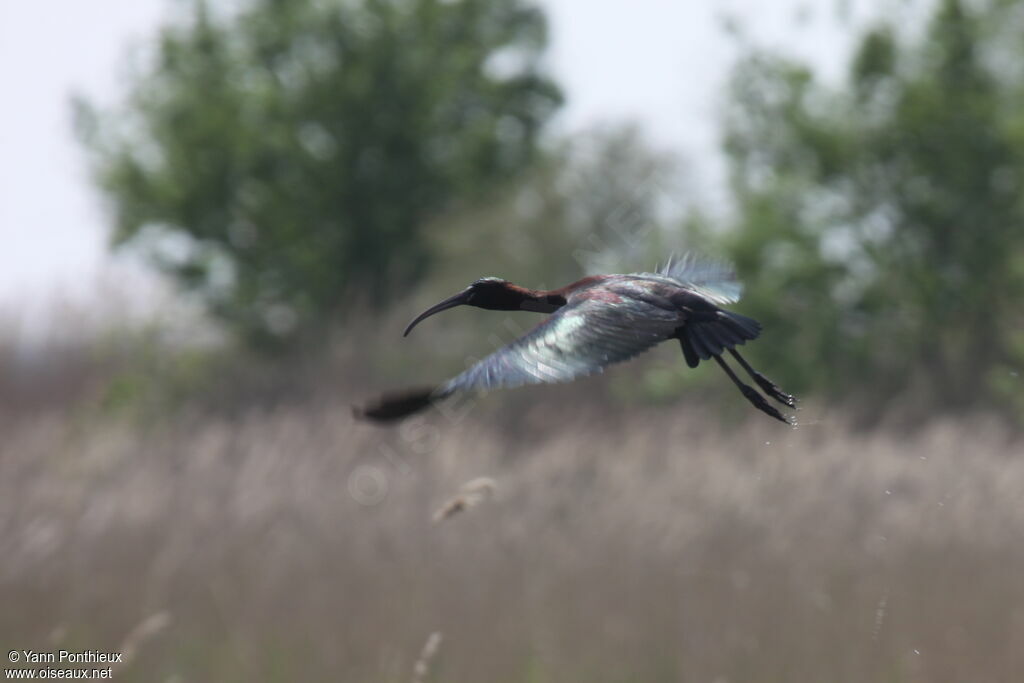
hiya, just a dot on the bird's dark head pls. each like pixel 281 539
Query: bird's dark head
pixel 494 294
pixel 491 293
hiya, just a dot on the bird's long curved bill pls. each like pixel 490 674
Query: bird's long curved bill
pixel 451 302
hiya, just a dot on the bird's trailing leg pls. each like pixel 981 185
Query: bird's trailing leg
pixel 755 398
pixel 767 386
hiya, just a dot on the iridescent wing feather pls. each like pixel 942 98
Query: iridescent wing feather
pixel 584 336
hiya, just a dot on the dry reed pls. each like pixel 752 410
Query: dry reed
pixel 430 649
pixel 471 494
pixel 640 545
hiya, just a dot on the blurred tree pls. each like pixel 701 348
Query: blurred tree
pixel 880 225
pixel 282 161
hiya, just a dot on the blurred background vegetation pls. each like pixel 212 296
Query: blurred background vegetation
pixel 309 175
pixel 886 215
pixel 298 165
pixel 283 158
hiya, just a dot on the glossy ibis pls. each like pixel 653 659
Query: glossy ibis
pixel 597 321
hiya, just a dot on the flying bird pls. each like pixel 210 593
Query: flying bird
pixel 598 321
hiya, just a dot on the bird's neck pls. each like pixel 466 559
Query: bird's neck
pixel 516 298
pixel 550 300
pixel 540 304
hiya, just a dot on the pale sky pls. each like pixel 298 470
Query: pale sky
pixel 660 63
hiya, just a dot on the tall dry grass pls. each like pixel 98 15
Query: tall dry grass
pixel 291 543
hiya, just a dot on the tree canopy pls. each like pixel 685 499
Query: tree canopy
pixel 283 160
pixel 880 223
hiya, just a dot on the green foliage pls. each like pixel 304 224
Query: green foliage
pixel 282 161
pixel 880 224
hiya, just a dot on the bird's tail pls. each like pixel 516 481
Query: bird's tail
pixel 395 406
pixel 702 339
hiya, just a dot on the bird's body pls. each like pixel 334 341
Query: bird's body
pixel 598 321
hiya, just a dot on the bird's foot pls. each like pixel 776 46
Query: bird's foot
pixel 773 390
pixel 761 404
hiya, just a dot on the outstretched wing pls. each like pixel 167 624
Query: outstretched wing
pixel 714 280
pixel 594 329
